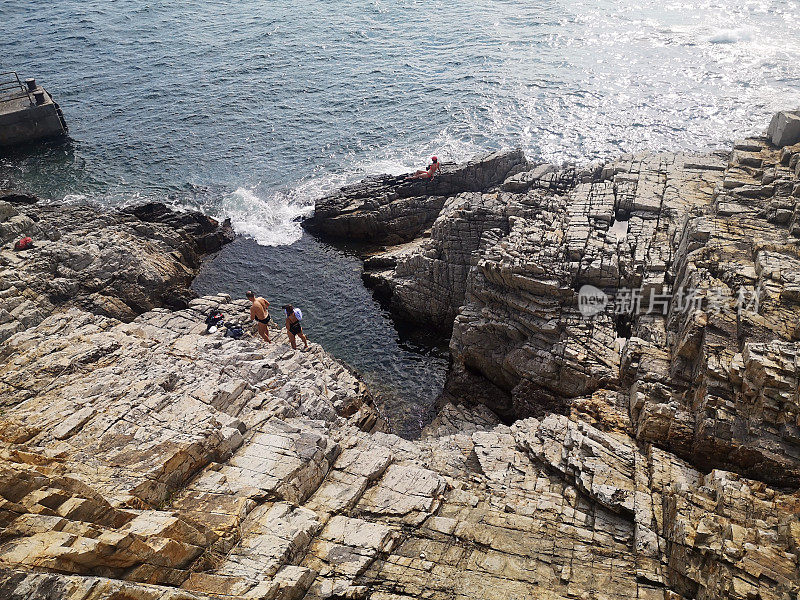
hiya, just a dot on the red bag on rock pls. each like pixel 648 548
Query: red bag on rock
pixel 24 244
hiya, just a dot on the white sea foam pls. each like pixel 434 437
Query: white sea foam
pixel 271 220
pixel 730 36
pixel 74 198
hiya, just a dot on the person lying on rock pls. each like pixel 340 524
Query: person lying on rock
pixel 429 173
pixel 293 326
pixel 259 312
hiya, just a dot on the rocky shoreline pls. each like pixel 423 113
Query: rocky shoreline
pixel 645 454
pixel 501 270
pixel 118 264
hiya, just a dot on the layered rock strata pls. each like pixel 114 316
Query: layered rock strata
pixel 722 387
pixel 440 262
pixel 148 459
pixel 521 325
pixel 697 256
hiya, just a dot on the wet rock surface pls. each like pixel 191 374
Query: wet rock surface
pixel 650 458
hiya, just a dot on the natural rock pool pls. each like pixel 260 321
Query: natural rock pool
pixel 404 367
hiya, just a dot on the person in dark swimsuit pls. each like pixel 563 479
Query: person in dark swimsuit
pixel 429 172
pixel 293 326
pixel 259 312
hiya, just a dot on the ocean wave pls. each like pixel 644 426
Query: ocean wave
pixel 75 198
pixel 272 217
pixel 730 36
pixel 271 220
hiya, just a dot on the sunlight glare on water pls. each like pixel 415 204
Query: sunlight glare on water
pixel 253 109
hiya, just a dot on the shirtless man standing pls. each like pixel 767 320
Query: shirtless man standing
pixel 259 312
pixel 429 173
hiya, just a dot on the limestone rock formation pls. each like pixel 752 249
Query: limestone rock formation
pixel 168 463
pixel 723 386
pixel 698 259
pixel 118 264
pixel 203 231
pixel 426 282
pixel 521 325
pixel 162 462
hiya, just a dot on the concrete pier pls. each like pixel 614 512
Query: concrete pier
pixel 27 112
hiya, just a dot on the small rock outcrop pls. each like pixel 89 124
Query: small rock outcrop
pixel 119 264
pixel 784 129
pixel 205 232
pixel 391 209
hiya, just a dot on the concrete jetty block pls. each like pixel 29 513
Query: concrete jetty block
pixel 30 114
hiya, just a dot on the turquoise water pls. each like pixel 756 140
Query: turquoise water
pixel 253 109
